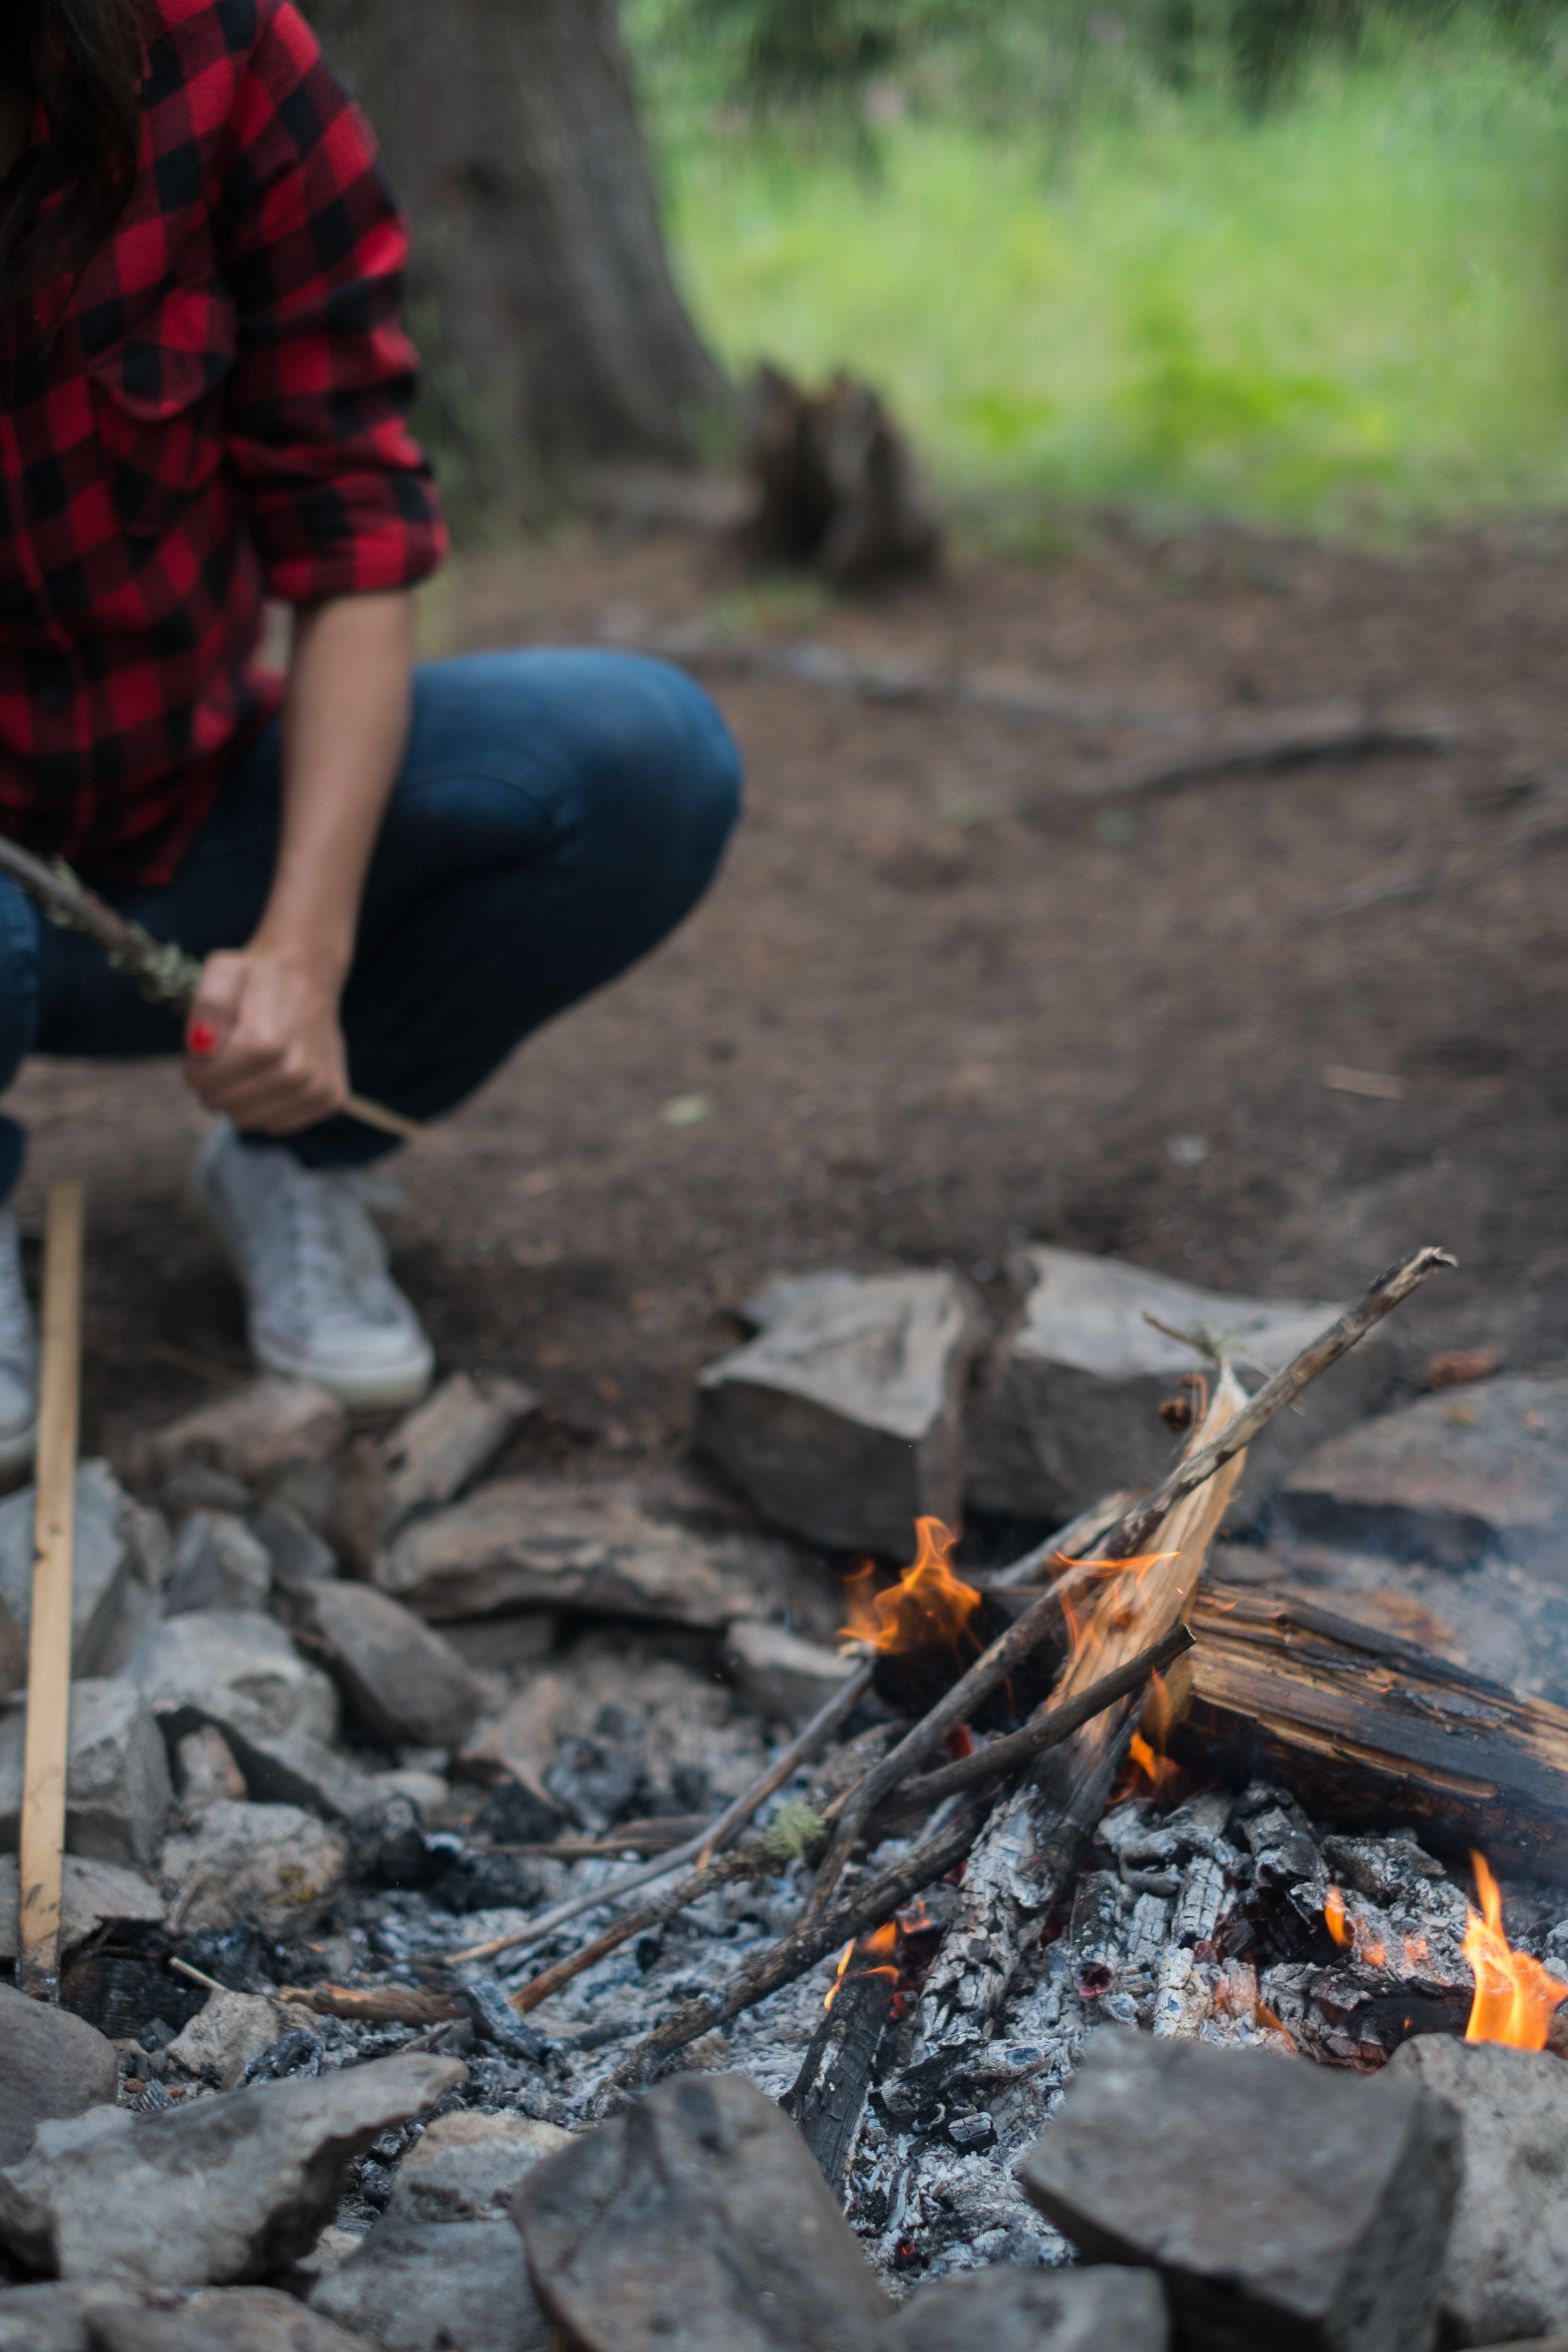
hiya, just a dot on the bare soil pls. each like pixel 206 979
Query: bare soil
pixel 933 1008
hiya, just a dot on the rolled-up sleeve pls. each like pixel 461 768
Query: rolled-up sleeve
pixel 341 496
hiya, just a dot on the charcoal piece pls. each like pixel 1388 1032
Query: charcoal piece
pixel 51 2063
pixel 297 2052
pixel 1506 2269
pixel 515 1816
pixel 387 1845
pixel 241 1956
pixel 698 2217
pixel 1284 2205
pixel 1010 2309
pixel 497 2021
pixel 122 1994
pixel 827 2097
pixel 481 1882
pixel 596 1784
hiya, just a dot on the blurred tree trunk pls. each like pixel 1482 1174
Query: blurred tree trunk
pixel 539 292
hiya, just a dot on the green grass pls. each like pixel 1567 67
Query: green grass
pixel 1352 309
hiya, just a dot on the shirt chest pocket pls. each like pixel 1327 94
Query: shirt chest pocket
pixel 158 405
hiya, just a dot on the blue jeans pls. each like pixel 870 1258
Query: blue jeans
pixel 556 817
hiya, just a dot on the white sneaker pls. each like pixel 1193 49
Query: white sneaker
pixel 321 1306
pixel 18 1355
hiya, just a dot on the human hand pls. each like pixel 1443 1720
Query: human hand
pixel 263 1042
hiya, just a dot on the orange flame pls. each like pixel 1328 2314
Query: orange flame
pixel 1350 1931
pixel 1153 1768
pixel 1334 1916
pixel 1515 1996
pixel 879 1948
pixel 929 1608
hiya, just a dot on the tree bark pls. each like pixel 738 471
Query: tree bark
pixel 540 289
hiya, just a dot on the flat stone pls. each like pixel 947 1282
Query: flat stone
pixel 51 2063
pixel 54 2319
pixel 222 2038
pixel 218 1564
pixel 223 2319
pixel 251 1434
pixel 779 1675
pixel 117 1774
pixel 118 1564
pixel 1448 1480
pixel 220 2191
pixel 1506 2270
pixel 698 2218
pixel 1070 1410
pixel 1282 2203
pixel 1009 2309
pixel 444 2264
pixel 552 1545
pixel 298 1770
pixel 280 1866
pixel 298 1556
pixel 842 1420
pixel 237 1671
pixel 446 1441
pixel 90 1893
pixel 400 1679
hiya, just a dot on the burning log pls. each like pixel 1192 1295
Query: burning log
pixel 828 2094
pixel 1366 1730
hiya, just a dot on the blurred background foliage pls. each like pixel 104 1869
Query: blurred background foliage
pixel 1297 261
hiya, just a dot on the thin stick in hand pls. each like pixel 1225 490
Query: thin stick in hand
pixel 43 1830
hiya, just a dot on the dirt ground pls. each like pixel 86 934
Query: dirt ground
pixel 934 1008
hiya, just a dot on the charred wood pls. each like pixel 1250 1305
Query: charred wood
pixel 829 2096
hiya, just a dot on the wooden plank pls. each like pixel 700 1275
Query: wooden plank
pixel 43 1827
pixel 1368 1731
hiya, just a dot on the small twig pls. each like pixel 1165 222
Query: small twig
pixel 698 1850
pixel 1048 1729
pixel 376 2004
pixel 863 1906
pixel 197 1976
pixel 748 1861
pixel 1069 1543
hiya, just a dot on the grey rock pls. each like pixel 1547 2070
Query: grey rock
pixel 252 1434
pixel 1010 2309
pixel 237 1671
pixel 51 2063
pixel 93 1893
pixel 299 1555
pixel 842 1422
pixel 1505 2271
pixel 197 1486
pixel 698 2218
pixel 117 1774
pixel 221 2040
pixel 1282 2203
pixel 444 2264
pixel 280 1865
pixel 547 1544
pixel 1469 1471
pixel 1070 1410
pixel 446 1441
pixel 401 1680
pixel 223 2319
pixel 298 1770
pixel 218 1564
pixel 778 1674
pixel 205 1770
pixel 119 1562
pixel 54 2319
pixel 220 2191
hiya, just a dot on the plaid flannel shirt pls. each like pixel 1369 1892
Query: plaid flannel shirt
pixel 215 411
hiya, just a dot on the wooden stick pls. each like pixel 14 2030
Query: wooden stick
pixel 1079 1536
pixel 1132 1531
pixel 863 1906
pixel 698 1850
pixel 161 969
pixel 43 1829
pixel 748 1861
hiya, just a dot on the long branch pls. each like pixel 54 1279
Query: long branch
pixel 822 1726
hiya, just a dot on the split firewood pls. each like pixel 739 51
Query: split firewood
pixel 701 1849
pixel 1032 1850
pixel 827 2095
pixel 1365 1729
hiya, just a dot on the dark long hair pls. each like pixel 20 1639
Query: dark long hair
pixel 83 58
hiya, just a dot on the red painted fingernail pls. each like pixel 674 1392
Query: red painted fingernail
pixel 202 1038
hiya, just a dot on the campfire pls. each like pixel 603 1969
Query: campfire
pixel 1099 1785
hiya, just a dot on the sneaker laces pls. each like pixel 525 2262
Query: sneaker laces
pixel 321 1275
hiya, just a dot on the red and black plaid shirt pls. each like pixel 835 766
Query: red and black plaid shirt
pixel 220 415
